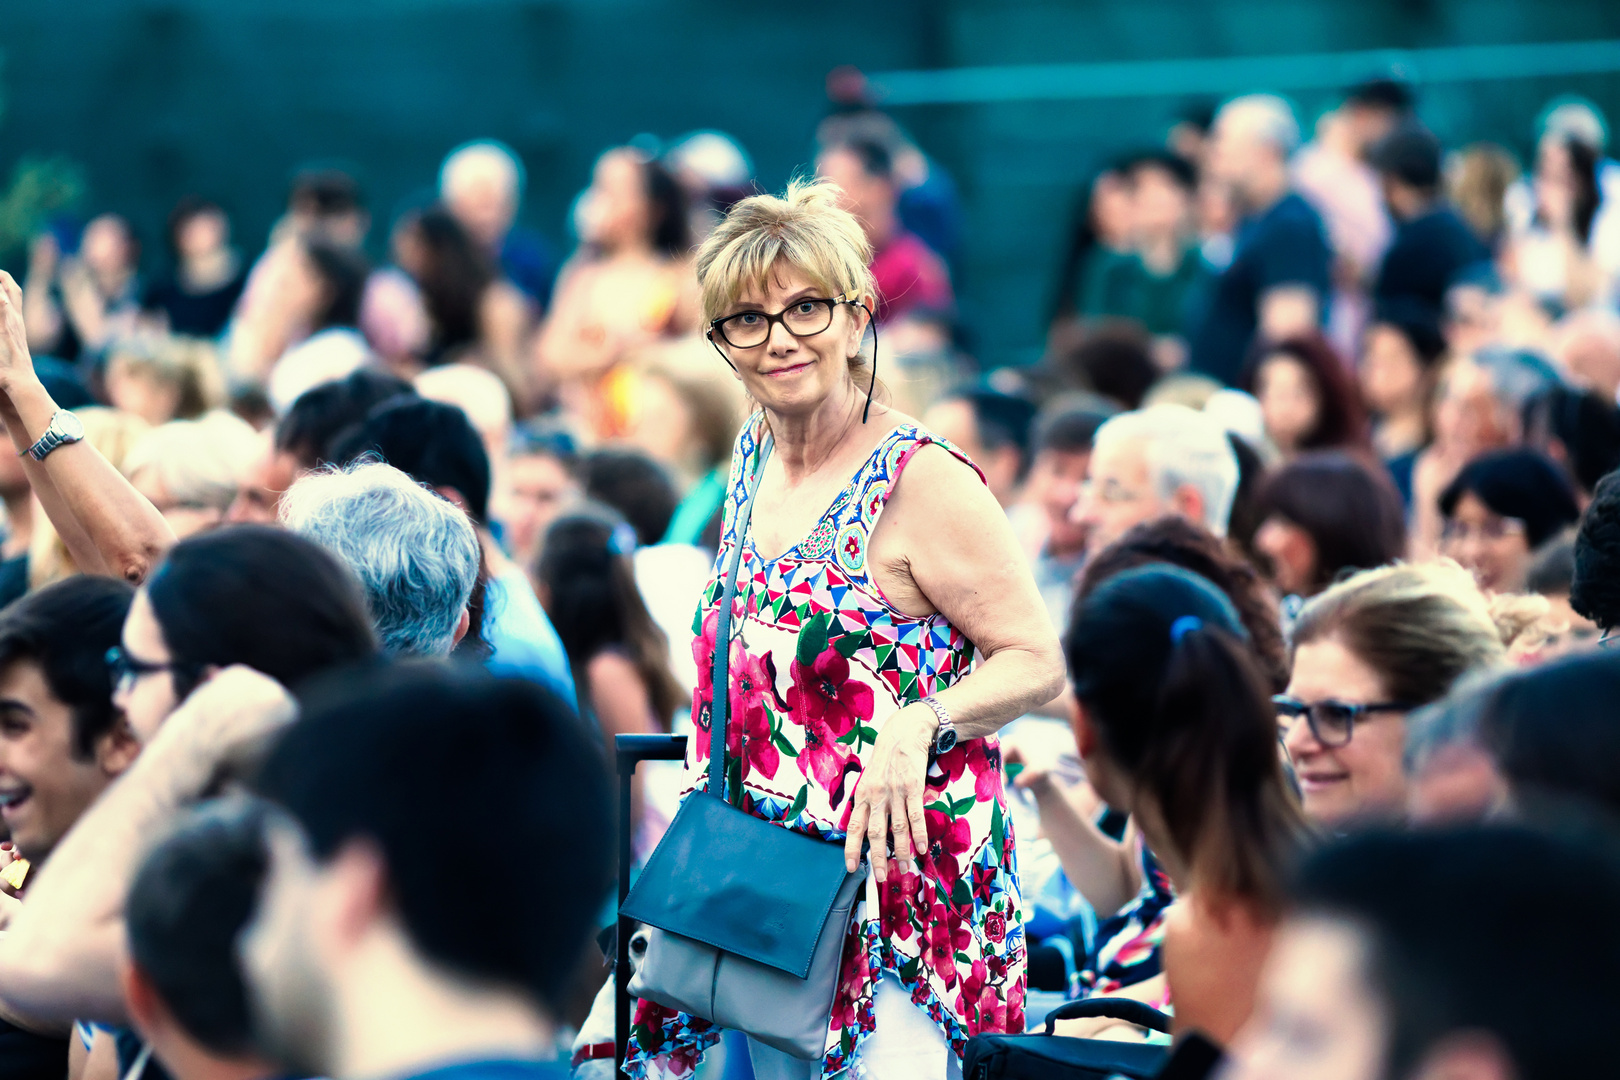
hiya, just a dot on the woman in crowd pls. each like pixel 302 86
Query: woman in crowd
pixel 619 656
pixel 1499 509
pixel 685 422
pixel 1103 223
pixel 1174 727
pixel 78 301
pixel 1365 653
pixel 321 290
pixel 199 293
pixel 865 536
pixel 1400 365
pixel 1325 513
pixel 629 284
pixel 163 378
pixel 1306 396
pixel 1553 258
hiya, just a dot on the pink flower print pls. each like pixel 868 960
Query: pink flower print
pixel 948 841
pixel 825 693
pixel 895 897
pixel 970 756
pixel 995 926
pixel 945 937
pixel 703 696
pixel 758 752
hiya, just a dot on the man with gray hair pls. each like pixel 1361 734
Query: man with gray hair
pixel 1277 282
pixel 1155 462
pixel 416 554
pixel 481 184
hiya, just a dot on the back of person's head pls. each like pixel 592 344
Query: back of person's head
pixel 589 585
pixel 1115 361
pixel 1385 93
pixel 1410 155
pixel 1442 915
pixel 476 391
pixel 1516 375
pixel 343 272
pixel 320 415
pixel 1553 733
pixel 1352 514
pixel 416 555
pixel 198 464
pixel 1262 118
pixel 435 443
pixel 1420 626
pixel 1175 541
pixel 478 161
pixel 1183 172
pixel 66 628
pixel 1183 448
pixel 510 770
pixel 260 596
pixel 635 486
pixel 325 193
pixel 1069 425
pixel 1162 668
pixel 1552 566
pixel 193 894
pixel 667 209
pixel 1579 428
pixel 1595 590
pixel 1001 420
pixel 1340 418
pixel 1519 484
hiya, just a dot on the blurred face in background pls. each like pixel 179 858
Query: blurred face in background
pixel 1364 777
pixel 259 498
pixel 1318 1016
pixel 541 489
pixel 1236 154
pixel 1554 184
pixel 202 234
pixel 1113 210
pixel 1056 479
pixel 1292 555
pixel 1468 418
pixel 108 250
pixel 616 213
pixel 1289 400
pixel 1493 548
pixel 1160 206
pixel 1118 494
pixel 1393 379
pixel 870 198
pixel 481 194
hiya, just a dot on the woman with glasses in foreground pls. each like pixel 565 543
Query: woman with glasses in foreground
pixel 1365 653
pixel 875 565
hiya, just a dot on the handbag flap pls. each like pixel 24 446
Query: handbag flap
pixel 739 883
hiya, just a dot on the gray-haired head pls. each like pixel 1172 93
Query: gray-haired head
pixel 1264 118
pixel 415 553
pixel 1183 448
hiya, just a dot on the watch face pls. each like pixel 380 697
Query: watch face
pixel 71 427
pixel 945 741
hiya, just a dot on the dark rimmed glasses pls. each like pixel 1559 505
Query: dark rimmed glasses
pixel 126 668
pixel 1331 722
pixel 802 318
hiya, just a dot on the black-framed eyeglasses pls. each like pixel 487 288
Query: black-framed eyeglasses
pixel 126 668
pixel 1331 722
pixel 802 318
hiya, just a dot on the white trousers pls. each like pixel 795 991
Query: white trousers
pixel 904 1045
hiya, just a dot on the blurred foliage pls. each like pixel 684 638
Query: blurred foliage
pixel 41 188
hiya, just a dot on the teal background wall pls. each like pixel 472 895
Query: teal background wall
pixel 157 98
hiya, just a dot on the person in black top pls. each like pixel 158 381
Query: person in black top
pixel 198 295
pixel 1432 242
pixel 1277 282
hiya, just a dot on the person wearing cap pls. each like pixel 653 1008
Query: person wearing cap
pixel 1277 283
pixel 1432 244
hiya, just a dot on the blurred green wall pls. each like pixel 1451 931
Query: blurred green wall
pixel 157 98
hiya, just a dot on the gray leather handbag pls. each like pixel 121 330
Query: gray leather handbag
pixel 746 918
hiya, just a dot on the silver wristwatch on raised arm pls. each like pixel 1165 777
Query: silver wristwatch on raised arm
pixel 945 737
pixel 65 428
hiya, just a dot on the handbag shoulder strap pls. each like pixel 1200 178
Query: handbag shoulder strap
pixel 720 706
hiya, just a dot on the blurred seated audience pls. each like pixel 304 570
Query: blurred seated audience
pixel 635 486
pixel 321 287
pixel 1401 355
pixel 1366 652
pixel 1164 459
pixel 1045 521
pixel 415 554
pixel 1381 960
pixel 1276 286
pixel 196 297
pixel 1307 396
pixel 191 470
pixel 1594 590
pixel 1323 514
pixel 1432 243
pixel 82 289
pixel 194 893
pixel 630 283
pixel 477 977
pixel 1499 509
pixel 163 378
pixel 993 429
pixel 909 274
pixel 541 467
pixel 213 641
pixel 481 184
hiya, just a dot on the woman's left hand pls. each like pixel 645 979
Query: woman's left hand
pixel 888 799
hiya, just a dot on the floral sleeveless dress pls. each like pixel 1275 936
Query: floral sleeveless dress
pixel 820 659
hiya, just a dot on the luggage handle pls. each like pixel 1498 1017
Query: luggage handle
pixel 1115 1008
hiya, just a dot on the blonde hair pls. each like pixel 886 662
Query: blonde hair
pixel 1421 626
pixel 190 365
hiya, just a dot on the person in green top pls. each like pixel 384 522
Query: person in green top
pixel 1159 279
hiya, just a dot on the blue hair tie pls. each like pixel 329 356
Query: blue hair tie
pixel 622 541
pixel 1184 626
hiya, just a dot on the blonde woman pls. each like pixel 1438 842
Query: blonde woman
pixel 1365 653
pixel 875 566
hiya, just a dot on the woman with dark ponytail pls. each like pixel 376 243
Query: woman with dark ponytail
pixel 1175 726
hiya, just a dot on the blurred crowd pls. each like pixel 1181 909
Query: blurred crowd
pixel 1360 389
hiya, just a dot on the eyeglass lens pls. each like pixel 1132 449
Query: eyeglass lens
pixel 747 329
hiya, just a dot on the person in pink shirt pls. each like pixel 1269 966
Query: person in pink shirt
pixel 910 275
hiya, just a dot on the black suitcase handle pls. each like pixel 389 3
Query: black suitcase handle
pixel 1114 1008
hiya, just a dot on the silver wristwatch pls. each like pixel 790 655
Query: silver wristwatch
pixel 65 428
pixel 945 737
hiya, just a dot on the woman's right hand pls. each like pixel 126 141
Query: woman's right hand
pixel 15 361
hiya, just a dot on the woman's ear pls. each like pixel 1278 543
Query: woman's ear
pixel 117 749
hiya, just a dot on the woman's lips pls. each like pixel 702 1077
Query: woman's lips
pixel 1318 781
pixel 780 372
